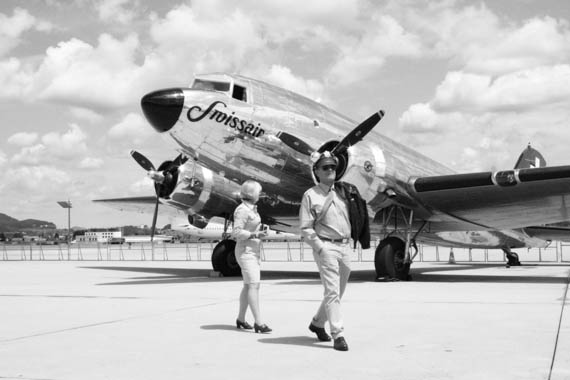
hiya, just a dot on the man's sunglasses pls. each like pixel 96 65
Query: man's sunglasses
pixel 328 167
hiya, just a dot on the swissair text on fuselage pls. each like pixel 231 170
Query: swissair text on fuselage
pixel 196 113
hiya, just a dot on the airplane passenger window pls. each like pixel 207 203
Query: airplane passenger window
pixel 200 84
pixel 239 93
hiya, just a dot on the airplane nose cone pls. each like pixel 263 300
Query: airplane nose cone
pixel 162 108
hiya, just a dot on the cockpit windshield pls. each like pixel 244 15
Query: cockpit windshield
pixel 200 84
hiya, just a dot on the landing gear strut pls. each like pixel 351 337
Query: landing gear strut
pixel 393 258
pixel 512 257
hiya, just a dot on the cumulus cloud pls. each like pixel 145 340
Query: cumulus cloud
pixel 283 77
pixel 475 95
pixel 54 147
pixel 23 138
pixel 91 163
pixel 479 41
pixel 3 158
pixel 117 10
pixel 515 91
pixel 78 74
pixel 187 39
pixel 143 186
pixel 132 129
pixel 16 78
pixel 86 114
pixel 38 179
pixel 538 42
pixel 385 38
pixel 68 144
pixel 12 27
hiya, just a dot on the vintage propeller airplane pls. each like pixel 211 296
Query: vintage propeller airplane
pixel 230 128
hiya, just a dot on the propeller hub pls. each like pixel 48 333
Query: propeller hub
pixel 162 108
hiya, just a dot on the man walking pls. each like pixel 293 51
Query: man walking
pixel 325 226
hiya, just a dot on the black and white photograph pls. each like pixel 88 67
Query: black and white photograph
pixel 293 189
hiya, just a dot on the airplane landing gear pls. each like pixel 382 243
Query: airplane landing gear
pixel 512 258
pixel 224 259
pixel 390 260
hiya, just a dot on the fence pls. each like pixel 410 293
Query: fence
pixel 557 252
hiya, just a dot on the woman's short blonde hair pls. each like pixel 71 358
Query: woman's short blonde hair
pixel 250 190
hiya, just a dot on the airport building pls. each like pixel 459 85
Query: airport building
pixel 99 235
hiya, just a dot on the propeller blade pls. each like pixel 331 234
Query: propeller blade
pixel 142 161
pixel 358 133
pixel 154 220
pixel 295 143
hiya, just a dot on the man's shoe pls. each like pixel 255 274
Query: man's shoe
pixel 340 344
pixel 321 333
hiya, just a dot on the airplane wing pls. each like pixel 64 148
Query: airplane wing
pixel 136 204
pixel 501 200
pixel 549 233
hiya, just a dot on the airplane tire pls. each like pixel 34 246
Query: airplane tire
pixel 224 259
pixel 513 259
pixel 389 260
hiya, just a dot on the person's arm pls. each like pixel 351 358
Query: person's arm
pixel 307 221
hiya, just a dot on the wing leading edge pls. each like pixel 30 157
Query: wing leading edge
pixel 135 204
pixel 500 200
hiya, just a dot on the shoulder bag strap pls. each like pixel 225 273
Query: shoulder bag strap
pixel 326 206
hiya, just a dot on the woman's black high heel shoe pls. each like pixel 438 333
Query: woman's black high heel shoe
pixel 243 325
pixel 262 329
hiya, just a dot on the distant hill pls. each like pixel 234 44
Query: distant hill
pixel 9 224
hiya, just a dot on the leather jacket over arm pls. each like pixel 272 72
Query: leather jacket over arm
pixel 358 213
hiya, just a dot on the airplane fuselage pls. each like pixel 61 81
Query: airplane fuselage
pixel 253 139
pixel 240 128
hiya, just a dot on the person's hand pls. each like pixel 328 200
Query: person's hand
pixel 261 234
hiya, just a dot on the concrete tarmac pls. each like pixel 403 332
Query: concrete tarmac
pixel 170 320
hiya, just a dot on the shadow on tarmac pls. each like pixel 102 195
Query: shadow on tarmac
pixel 223 327
pixel 444 273
pixel 454 274
pixel 301 340
pixel 296 341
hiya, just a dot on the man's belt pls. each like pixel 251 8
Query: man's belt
pixel 342 240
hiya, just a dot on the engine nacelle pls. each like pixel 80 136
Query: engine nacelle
pixel 366 169
pixel 203 194
pixel 364 166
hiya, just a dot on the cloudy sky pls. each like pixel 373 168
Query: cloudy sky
pixel 468 83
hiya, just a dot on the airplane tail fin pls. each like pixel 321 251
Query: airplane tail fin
pixel 530 158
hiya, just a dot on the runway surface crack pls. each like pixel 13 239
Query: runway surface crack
pixel 564 303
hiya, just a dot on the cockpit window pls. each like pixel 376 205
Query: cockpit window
pixel 239 93
pixel 200 84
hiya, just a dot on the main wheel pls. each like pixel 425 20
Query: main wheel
pixel 224 259
pixel 389 259
pixel 513 259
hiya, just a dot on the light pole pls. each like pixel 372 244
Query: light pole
pixel 67 205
